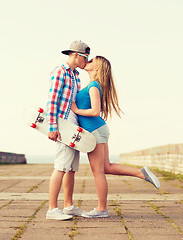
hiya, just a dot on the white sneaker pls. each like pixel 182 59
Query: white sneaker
pixel 150 177
pixel 72 210
pixel 95 214
pixel 57 214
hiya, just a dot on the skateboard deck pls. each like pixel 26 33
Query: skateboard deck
pixel 71 134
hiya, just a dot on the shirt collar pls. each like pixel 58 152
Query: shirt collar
pixel 68 67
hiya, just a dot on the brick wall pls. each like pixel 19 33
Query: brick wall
pixel 168 158
pixel 12 158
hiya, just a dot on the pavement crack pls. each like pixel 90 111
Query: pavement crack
pixel 74 231
pixel 118 211
pixel 6 204
pixel 130 186
pixel 168 219
pixel 22 228
pixel 11 185
pixel 34 187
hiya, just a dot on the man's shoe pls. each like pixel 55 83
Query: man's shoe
pixel 57 214
pixel 95 214
pixel 72 210
pixel 150 177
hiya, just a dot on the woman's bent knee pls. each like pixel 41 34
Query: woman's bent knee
pixel 107 169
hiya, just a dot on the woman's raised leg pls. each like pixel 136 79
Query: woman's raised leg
pixel 119 169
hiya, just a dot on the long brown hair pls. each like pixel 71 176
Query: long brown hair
pixel 109 99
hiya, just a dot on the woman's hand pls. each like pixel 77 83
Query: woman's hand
pixel 74 107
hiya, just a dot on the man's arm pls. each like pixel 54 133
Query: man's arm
pixel 54 136
pixel 56 86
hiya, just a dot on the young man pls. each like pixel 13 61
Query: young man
pixel 65 84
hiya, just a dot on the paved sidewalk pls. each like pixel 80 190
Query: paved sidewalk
pixel 137 210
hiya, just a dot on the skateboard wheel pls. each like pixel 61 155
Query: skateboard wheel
pixel 33 125
pixel 40 110
pixel 79 129
pixel 71 144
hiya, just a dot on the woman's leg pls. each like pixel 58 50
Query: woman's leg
pixel 119 169
pixel 96 159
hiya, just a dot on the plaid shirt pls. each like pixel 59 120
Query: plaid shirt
pixel 62 81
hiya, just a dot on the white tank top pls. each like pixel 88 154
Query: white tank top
pixel 72 116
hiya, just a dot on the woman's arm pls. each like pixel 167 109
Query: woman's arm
pixel 95 109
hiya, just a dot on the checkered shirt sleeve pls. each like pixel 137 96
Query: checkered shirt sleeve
pixel 55 92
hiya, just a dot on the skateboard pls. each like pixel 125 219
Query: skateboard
pixel 71 134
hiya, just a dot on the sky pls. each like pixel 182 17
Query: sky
pixel 143 40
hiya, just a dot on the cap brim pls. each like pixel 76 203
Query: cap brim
pixel 66 52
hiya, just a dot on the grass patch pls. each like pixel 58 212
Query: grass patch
pixel 157 209
pixel 169 175
pixel 35 186
pixel 6 204
pixel 118 211
pixel 74 231
pixel 21 229
pixel 166 174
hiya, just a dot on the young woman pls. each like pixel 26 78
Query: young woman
pixel 100 98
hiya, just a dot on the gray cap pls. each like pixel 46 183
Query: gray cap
pixel 77 46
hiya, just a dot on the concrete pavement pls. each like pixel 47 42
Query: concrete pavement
pixel 136 209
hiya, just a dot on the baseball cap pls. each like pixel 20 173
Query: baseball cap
pixel 77 46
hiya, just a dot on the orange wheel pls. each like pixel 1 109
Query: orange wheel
pixel 79 129
pixel 33 125
pixel 71 144
pixel 40 110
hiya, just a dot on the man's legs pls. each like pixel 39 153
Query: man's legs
pixel 65 157
pixel 54 188
pixel 68 186
pixel 62 164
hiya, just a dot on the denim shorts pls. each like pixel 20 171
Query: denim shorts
pixel 101 134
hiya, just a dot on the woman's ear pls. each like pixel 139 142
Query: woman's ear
pixel 96 68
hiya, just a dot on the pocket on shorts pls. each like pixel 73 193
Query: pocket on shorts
pixel 60 147
pixel 102 134
pixel 104 131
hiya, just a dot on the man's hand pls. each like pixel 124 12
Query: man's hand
pixel 54 135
